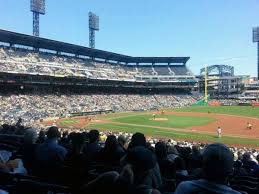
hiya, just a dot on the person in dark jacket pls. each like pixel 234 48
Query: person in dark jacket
pixel 112 152
pixel 50 156
pixel 217 166
pixel 92 149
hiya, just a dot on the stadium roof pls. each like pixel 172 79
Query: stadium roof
pixel 43 43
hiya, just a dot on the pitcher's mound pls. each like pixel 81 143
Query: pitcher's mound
pixel 159 119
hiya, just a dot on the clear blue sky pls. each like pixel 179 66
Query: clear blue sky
pixel 209 31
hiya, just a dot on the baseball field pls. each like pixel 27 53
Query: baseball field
pixel 192 124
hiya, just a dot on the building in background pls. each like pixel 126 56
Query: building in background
pixel 251 89
pixel 222 83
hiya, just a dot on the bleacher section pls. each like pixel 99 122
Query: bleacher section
pixel 179 70
pixel 145 70
pixel 163 70
pixel 27 61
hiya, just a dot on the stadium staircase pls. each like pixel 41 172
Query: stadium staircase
pixel 158 102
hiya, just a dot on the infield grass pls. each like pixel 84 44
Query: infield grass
pixel 67 122
pixel 172 121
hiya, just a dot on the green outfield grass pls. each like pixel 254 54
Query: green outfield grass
pixel 172 121
pixel 128 122
pixel 177 135
pixel 247 111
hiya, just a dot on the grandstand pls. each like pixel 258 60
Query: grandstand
pixel 46 62
pixel 43 78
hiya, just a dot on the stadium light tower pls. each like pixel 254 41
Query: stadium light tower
pixel 37 8
pixel 93 26
pixel 256 39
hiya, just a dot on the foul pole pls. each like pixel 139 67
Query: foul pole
pixel 206 84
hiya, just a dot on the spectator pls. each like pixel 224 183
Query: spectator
pixel 217 166
pixel 112 152
pixel 50 156
pixel 122 142
pixel 64 140
pixel 195 159
pixel 256 170
pixel 138 139
pixel 42 137
pixel 142 163
pixel 248 163
pixel 239 170
pixel 76 158
pixel 92 149
pixel 167 167
pixel 19 123
pixel 180 167
pixel 29 147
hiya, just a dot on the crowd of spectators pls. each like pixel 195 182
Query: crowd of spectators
pixel 234 102
pixel 112 162
pixel 32 107
pixel 17 60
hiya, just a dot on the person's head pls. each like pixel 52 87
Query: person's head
pixel 110 143
pixel 53 133
pixel 172 150
pixel 218 162
pixel 179 163
pixel 93 136
pixel 138 139
pixel 246 157
pixel 195 149
pixel 42 136
pixel 77 140
pixel 257 158
pixel 237 164
pixel 5 126
pixel 122 140
pixel 161 150
pixel 30 136
pixel 141 160
pixel 65 134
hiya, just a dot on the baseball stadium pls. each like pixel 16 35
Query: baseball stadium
pixel 157 100
pixel 73 116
